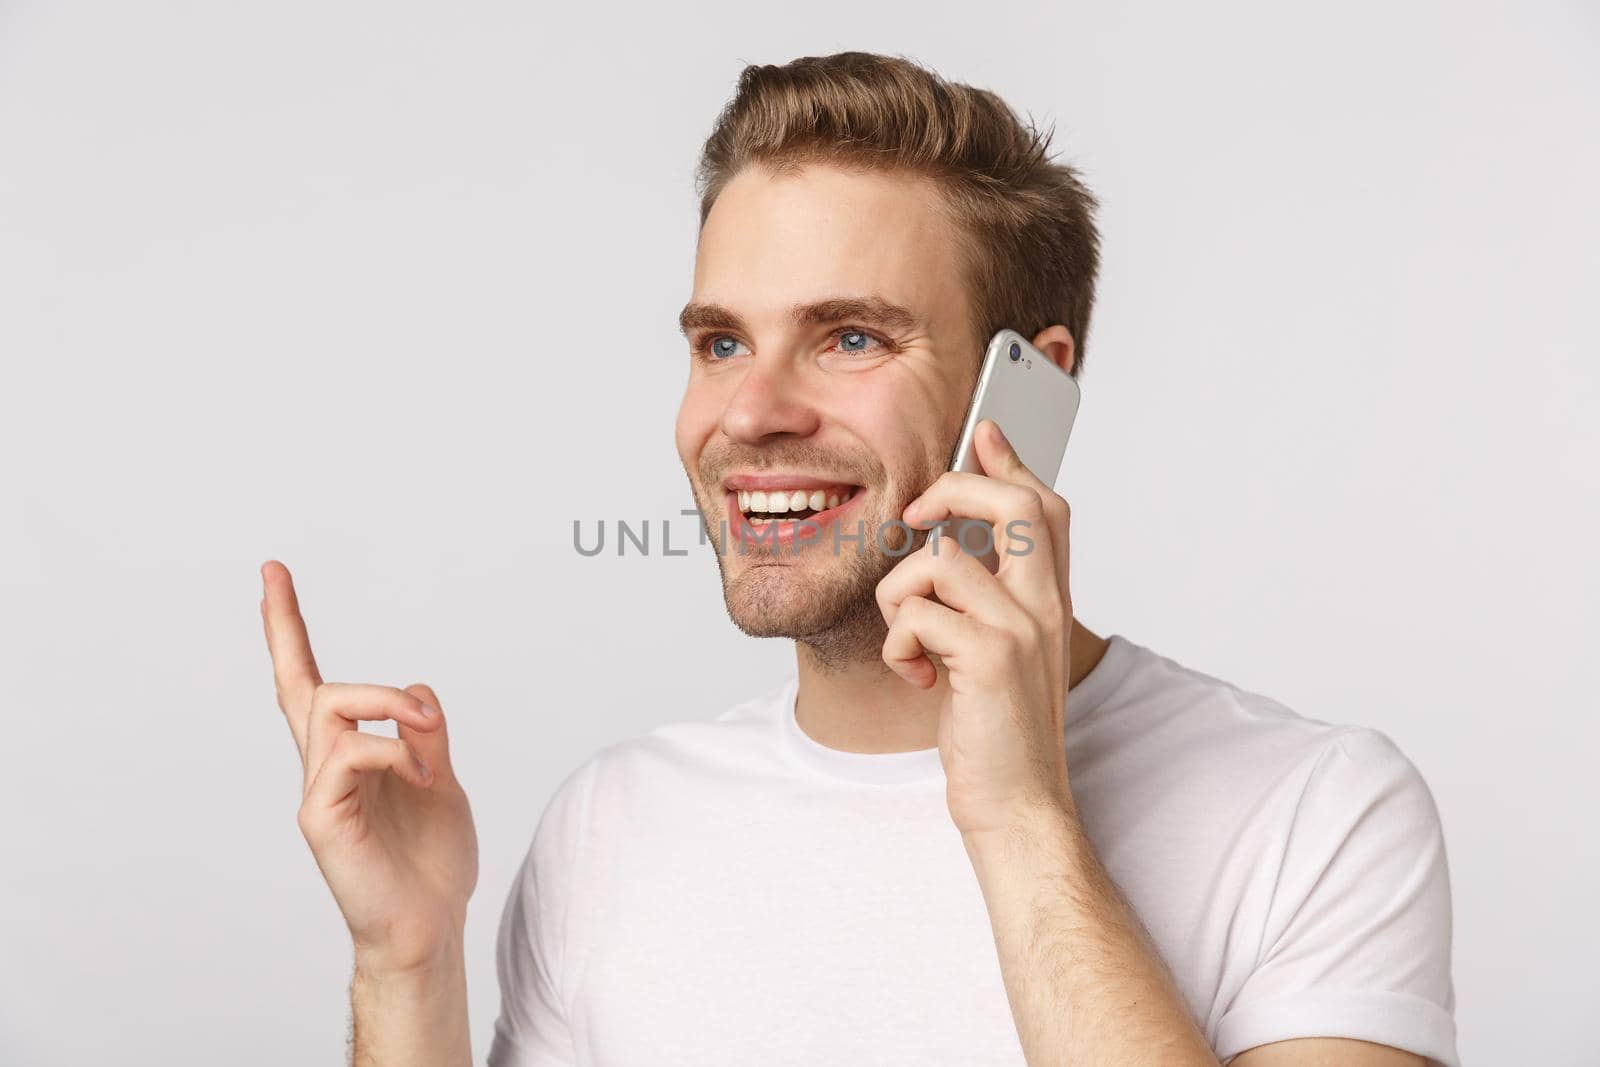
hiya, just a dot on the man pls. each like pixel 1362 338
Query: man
pixel 969 830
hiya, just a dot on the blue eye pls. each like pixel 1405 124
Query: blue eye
pixel 854 342
pixel 722 347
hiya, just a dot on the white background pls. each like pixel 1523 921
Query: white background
pixel 388 291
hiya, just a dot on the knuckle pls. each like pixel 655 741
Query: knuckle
pixel 1029 504
pixel 954 554
pixel 1052 502
pixel 897 641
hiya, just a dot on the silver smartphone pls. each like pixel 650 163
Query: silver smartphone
pixel 1033 400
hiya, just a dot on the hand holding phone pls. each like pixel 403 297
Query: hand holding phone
pixel 1034 402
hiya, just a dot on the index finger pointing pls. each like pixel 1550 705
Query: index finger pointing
pixel 294 669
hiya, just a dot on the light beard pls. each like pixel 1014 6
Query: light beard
pixel 827 603
pixel 824 597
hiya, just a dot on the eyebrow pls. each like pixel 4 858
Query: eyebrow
pixel 872 309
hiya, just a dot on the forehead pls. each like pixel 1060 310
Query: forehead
pixel 771 241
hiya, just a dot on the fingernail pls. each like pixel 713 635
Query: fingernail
pixel 427 773
pixel 427 710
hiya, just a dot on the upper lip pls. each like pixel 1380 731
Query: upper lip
pixel 767 481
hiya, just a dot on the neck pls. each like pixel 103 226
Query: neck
pixel 863 706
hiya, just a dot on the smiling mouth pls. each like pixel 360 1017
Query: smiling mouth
pixel 760 507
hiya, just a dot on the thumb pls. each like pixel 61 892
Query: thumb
pixel 432 745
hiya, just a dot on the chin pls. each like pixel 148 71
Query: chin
pixel 821 596
pixel 773 600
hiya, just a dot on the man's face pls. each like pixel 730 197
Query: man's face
pixel 831 359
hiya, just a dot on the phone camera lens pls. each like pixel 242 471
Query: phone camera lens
pixel 1016 351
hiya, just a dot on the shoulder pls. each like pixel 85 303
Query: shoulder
pixel 1161 705
pixel 640 779
pixel 737 741
pixel 1191 747
pixel 1158 691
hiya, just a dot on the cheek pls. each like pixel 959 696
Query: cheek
pixel 904 423
pixel 697 421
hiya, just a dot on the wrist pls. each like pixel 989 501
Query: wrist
pixel 1049 828
pixel 412 1015
pixel 428 995
pixel 414 966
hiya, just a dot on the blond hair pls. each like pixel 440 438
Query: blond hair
pixel 1025 222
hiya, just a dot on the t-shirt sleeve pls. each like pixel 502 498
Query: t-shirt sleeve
pixel 1357 939
pixel 538 929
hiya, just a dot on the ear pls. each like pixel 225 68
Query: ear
pixel 1056 342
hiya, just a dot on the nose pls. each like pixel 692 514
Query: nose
pixel 769 400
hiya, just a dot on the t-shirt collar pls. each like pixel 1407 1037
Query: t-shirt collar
pixel 922 765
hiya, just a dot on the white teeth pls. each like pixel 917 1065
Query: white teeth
pixel 783 501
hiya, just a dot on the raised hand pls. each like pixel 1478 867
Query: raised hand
pixel 1003 638
pixel 387 821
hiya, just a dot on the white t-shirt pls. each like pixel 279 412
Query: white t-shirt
pixel 728 891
